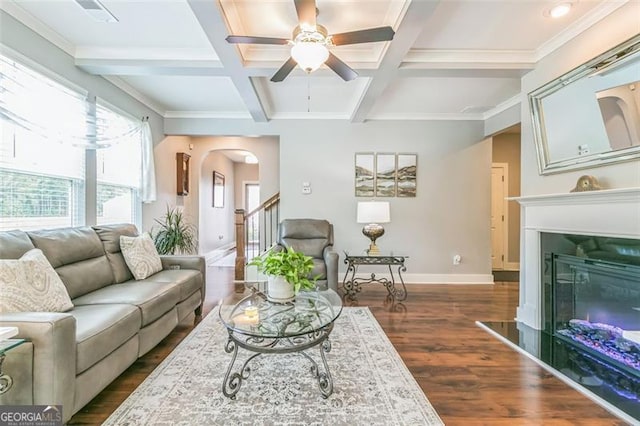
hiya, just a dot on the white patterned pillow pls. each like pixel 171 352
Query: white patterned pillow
pixel 30 284
pixel 141 255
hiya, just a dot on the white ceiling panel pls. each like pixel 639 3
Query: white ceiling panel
pixel 190 93
pixel 496 25
pixel 167 24
pixel 314 96
pixel 413 97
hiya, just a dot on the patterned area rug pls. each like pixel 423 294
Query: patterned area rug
pixel 372 386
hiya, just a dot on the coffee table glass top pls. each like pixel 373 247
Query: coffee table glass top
pixel 256 316
pixel 8 344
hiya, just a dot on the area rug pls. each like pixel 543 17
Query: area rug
pixel 372 386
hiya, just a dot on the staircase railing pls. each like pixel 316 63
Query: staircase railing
pixel 255 232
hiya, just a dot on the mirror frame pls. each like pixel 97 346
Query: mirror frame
pixel 608 60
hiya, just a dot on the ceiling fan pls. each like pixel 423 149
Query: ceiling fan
pixel 310 43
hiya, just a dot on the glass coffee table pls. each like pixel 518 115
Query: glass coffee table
pixel 263 327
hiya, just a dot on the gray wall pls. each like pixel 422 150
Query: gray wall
pixel 217 228
pixel 450 215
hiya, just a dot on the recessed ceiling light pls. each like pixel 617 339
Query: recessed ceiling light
pixel 559 10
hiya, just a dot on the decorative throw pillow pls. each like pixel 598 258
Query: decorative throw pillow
pixel 30 284
pixel 141 255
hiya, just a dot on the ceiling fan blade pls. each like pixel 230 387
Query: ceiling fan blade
pixel 340 68
pixel 256 40
pixel 284 70
pixel 306 10
pixel 363 36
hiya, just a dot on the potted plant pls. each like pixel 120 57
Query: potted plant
pixel 287 271
pixel 176 235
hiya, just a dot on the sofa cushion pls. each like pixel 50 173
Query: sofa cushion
pixel 141 255
pixel 101 329
pixel 188 280
pixel 110 237
pixel 30 284
pixel 78 257
pixel 152 298
pixel 13 244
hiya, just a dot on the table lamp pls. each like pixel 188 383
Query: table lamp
pixel 373 213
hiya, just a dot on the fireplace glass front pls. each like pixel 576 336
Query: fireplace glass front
pixel 596 306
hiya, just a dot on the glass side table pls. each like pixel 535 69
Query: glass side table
pixel 352 285
pixel 6 381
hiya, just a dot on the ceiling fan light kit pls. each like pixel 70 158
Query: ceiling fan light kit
pixel 310 43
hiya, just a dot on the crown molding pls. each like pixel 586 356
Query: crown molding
pixel 464 58
pixel 427 117
pixel 207 55
pixel 592 17
pixel 502 106
pixel 37 26
pixel 119 83
pixel 206 114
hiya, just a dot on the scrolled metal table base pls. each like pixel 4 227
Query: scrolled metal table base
pixel 299 344
pixel 352 285
pixel 5 380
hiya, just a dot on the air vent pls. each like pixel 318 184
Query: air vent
pixel 97 11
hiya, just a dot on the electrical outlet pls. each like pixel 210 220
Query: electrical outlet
pixel 306 188
pixel 457 259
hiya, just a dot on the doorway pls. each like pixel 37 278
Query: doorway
pixel 499 213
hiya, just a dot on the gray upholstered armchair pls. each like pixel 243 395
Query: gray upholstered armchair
pixel 314 238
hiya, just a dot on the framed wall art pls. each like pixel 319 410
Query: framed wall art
pixel 218 190
pixel 364 174
pixel 385 175
pixel 406 175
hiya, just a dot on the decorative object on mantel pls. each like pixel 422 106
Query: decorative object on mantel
pixel 587 183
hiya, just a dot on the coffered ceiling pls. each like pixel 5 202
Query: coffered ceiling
pixel 448 60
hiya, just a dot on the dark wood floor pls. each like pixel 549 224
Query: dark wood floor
pixel 470 377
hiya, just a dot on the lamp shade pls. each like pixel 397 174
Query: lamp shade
pixel 373 212
pixel 309 55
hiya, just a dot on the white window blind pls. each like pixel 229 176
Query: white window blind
pixel 119 168
pixel 42 172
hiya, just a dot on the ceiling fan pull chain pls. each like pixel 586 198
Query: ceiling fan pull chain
pixel 308 93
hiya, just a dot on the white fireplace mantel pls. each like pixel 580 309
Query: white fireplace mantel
pixel 609 212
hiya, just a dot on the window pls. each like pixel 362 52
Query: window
pixel 42 173
pixel 45 128
pixel 118 168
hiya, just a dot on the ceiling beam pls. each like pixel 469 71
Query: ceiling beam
pixel 101 66
pixel 211 18
pixel 408 30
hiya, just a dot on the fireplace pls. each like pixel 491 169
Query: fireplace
pixel 579 309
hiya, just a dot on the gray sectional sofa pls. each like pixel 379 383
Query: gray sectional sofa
pixel 74 355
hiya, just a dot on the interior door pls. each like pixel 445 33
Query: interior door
pixel 498 224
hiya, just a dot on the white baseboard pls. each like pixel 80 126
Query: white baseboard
pixel 433 278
